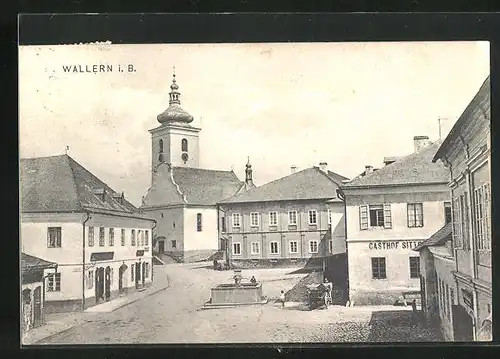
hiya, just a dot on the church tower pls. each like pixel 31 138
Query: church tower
pixel 175 142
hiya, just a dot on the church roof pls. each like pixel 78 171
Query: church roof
pixel 187 185
pixel 416 168
pixel 60 184
pixel 310 183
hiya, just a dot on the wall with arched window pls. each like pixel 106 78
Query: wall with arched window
pixel 199 224
pixel 184 145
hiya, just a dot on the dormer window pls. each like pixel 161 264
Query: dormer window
pixel 184 145
pixel 100 193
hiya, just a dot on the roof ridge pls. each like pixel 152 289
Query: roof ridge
pixel 73 181
pixel 326 175
pixel 40 157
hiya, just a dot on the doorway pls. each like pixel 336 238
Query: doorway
pixel 161 246
pixel 99 284
pixel 462 324
pixel 143 273
pixel 137 274
pixel 108 284
pixel 37 307
pixel 121 278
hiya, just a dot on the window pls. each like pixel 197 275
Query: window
pixel 132 272
pixel 274 248
pixel 198 222
pixel 123 237
pixel 481 218
pixel 457 223
pixel 236 220
pixel 223 224
pixel 254 219
pixel 375 216
pixel 415 215
pixel 132 237
pixel 330 246
pixel 184 145
pixel 146 270
pixel 464 207
pixel 101 236
pixel 54 237
pixel 313 246
pixel 273 218
pixel 237 248
pixel 312 214
pixel 329 216
pixel 174 243
pixel 414 267
pixel 255 248
pixel 54 282
pixel 378 268
pixel 90 279
pixel 292 218
pixel 161 145
pixel 146 238
pixel 294 247
pixel 91 237
pixel 447 212
pixel 111 237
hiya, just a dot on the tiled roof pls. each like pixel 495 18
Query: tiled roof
pixel 60 184
pixel 416 168
pixel 180 185
pixel 203 186
pixel 483 94
pixel 438 238
pixel 28 262
pixel 310 183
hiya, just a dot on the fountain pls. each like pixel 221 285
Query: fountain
pixel 237 293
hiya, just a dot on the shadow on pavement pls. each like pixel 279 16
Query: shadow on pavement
pixel 400 326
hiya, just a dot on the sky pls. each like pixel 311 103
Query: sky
pixel 347 104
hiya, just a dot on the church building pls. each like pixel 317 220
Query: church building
pixel 183 197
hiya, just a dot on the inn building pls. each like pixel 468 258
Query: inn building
pixel 466 152
pixel 389 212
pixel 183 196
pixel 98 240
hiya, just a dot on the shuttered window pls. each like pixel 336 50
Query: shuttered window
pixel 363 216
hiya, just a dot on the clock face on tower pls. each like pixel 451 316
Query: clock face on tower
pixel 185 157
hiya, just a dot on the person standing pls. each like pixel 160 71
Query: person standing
pixel 282 299
pixel 414 312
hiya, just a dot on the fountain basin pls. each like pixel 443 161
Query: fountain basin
pixel 231 295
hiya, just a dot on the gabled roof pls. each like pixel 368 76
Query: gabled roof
pixel 416 168
pixel 29 262
pixel 204 186
pixel 310 183
pixel 60 184
pixel 483 94
pixel 438 238
pixel 186 185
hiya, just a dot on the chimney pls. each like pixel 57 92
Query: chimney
pixel 323 166
pixel 293 169
pixel 368 169
pixel 420 142
pixel 389 160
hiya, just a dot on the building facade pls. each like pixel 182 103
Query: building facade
pixel 466 154
pixel 183 197
pixel 438 287
pixel 297 219
pixel 100 242
pixel 389 212
pixel 33 291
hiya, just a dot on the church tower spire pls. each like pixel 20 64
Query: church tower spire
pixel 174 93
pixel 248 176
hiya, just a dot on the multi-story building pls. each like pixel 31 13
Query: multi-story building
pixel 466 154
pixel 438 289
pixel 99 241
pixel 287 221
pixel 183 197
pixel 389 211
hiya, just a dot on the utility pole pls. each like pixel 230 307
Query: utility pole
pixel 439 125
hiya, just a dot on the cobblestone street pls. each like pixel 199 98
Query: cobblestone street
pixel 175 316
